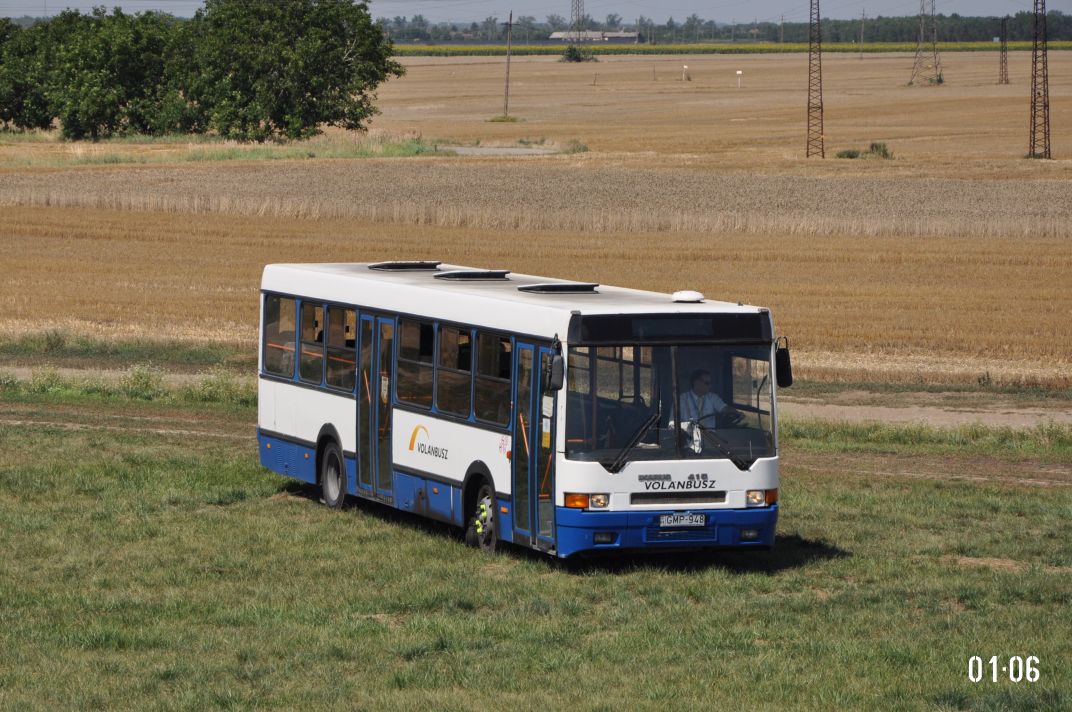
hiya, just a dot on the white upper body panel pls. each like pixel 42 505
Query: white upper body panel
pixel 493 304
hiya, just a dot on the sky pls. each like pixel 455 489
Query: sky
pixel 743 11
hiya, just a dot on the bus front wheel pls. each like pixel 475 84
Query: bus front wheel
pixel 483 524
pixel 332 476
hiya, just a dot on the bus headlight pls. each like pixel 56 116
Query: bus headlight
pixel 586 501
pixel 756 498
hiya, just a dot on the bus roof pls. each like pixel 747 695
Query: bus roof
pixel 482 300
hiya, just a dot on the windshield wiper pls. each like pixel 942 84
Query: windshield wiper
pixel 619 461
pixel 722 445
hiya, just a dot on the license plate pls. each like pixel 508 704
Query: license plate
pixel 682 520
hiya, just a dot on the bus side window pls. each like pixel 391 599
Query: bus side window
pixel 312 342
pixel 342 366
pixel 455 371
pixel 415 364
pixel 279 313
pixel 493 369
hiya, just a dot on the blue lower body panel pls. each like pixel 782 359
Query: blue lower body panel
pixel 577 530
pixel 288 458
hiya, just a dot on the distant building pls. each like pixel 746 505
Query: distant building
pixel 596 36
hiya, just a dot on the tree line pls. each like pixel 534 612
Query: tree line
pixel 951 28
pixel 240 69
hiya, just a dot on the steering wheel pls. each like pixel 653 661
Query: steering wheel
pixel 731 419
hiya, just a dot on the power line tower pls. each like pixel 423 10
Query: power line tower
pixel 815 85
pixel 1003 68
pixel 928 65
pixel 576 20
pixel 1040 88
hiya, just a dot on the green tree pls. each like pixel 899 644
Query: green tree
pixel 7 31
pixel 489 28
pixel 526 25
pixel 27 65
pixel 109 75
pixel 266 70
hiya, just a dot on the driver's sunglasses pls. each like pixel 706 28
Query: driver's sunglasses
pixel 705 382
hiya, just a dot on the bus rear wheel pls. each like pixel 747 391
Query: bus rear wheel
pixel 483 529
pixel 332 476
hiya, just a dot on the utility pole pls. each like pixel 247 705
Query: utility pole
pixel 815 85
pixel 928 64
pixel 863 19
pixel 509 47
pixel 1040 88
pixel 1003 63
pixel 781 30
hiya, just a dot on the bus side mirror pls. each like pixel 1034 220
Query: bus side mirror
pixel 557 377
pixel 783 366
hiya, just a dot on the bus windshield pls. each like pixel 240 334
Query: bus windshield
pixel 669 402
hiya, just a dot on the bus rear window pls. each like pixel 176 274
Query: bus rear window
pixel 279 320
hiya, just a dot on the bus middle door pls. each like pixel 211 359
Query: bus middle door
pixel 374 407
pixel 534 449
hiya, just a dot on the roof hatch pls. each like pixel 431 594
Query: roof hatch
pixel 474 275
pixel 403 266
pixel 560 288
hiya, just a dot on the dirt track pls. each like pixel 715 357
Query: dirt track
pixel 929 408
pixel 935 409
pixel 169 423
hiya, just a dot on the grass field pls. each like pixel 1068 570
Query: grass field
pixel 162 568
pixel 46 149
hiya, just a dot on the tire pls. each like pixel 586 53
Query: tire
pixel 483 529
pixel 332 476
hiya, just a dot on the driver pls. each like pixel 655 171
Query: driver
pixel 700 402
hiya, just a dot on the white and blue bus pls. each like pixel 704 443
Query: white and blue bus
pixel 566 417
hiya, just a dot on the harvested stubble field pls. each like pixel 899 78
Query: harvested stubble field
pixel 563 193
pixel 898 309
pixel 949 263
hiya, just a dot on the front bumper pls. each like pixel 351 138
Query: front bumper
pixel 577 529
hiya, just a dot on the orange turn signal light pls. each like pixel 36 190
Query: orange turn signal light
pixel 772 496
pixel 577 501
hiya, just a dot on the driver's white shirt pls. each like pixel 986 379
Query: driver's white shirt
pixel 694 406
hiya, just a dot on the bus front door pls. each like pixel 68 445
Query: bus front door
pixel 374 408
pixel 534 449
